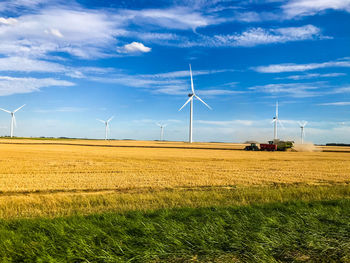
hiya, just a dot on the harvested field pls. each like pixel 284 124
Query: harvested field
pixel 40 167
pixel 63 177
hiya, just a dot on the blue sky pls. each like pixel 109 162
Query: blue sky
pixel 72 64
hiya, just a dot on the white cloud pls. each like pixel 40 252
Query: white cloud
pixel 11 85
pixel 134 47
pixel 215 92
pixel 172 18
pixel 342 90
pixel 14 5
pixel 23 64
pixel 310 7
pixel 174 83
pixel 186 73
pixel 85 34
pixel 252 16
pixel 230 123
pixel 54 32
pixel 340 103
pixel 61 109
pixel 290 67
pixel 259 36
pixel 313 75
pixel 296 90
pixel 8 21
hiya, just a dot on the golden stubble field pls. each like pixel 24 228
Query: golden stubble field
pixel 30 166
pixel 34 174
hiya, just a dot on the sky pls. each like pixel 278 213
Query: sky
pixel 90 59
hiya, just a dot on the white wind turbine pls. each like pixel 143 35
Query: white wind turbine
pixel 106 123
pixel 276 120
pixel 162 126
pixel 13 118
pixel 191 96
pixel 302 134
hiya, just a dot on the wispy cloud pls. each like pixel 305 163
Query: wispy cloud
pixel 291 67
pixel 259 36
pixel 295 8
pixel 173 83
pixel 228 123
pixel 340 103
pixel 24 64
pixel 313 75
pixel 173 18
pixel 61 109
pixel 10 85
pixel 301 90
pixel 296 90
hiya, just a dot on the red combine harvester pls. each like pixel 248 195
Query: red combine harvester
pixel 268 147
pixel 271 146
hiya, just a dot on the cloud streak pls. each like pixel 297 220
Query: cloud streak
pixel 11 85
pixel 259 36
pixel 291 67
pixel 340 103
pixel 294 8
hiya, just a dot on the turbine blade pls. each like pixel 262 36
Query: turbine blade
pixel 277 109
pixel 158 124
pixel 186 102
pixel 305 123
pixel 300 124
pixel 279 121
pixel 5 110
pixel 111 118
pixel 273 120
pixel 19 108
pixel 101 120
pixel 191 80
pixel 203 102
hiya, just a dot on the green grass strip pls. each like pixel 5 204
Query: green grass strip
pixel 316 231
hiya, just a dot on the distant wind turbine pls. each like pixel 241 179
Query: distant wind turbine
pixel 106 123
pixel 13 118
pixel 191 96
pixel 276 120
pixel 302 134
pixel 162 126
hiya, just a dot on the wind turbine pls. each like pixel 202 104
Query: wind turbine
pixel 302 134
pixel 275 121
pixel 106 123
pixel 191 96
pixel 162 126
pixel 13 118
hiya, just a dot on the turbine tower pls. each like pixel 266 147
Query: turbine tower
pixel 302 134
pixel 13 118
pixel 191 96
pixel 275 121
pixel 162 126
pixel 106 123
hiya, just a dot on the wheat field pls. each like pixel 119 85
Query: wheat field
pixel 57 173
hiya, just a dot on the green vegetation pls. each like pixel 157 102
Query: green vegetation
pixel 316 231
